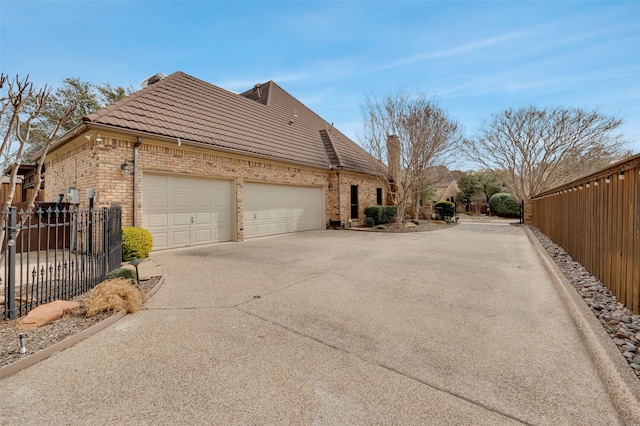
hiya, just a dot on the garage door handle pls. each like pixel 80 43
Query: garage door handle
pixel 192 219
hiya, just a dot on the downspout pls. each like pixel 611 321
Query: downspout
pixel 339 210
pixel 339 198
pixel 135 180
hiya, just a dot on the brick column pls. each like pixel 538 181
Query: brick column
pixel 528 212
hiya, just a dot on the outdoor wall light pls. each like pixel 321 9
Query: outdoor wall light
pixel 608 179
pixel 125 169
pixel 595 182
pixel 330 186
pixel 580 187
pixel 588 185
pixel 621 175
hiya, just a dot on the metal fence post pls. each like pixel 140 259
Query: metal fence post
pixel 105 239
pixel 11 264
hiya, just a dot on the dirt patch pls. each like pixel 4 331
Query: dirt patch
pixel 43 337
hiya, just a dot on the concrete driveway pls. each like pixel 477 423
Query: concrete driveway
pixel 458 326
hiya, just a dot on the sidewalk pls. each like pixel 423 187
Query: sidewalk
pixel 458 326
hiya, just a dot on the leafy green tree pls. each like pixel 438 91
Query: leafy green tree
pixel 470 186
pixel 504 205
pixel 490 184
pixel 87 97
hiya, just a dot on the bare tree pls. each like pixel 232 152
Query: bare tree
pixel 533 150
pixel 413 134
pixel 17 123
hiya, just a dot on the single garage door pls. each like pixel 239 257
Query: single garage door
pixel 276 209
pixel 183 211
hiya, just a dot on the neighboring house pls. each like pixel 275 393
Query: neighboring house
pixel 197 164
pixel 446 190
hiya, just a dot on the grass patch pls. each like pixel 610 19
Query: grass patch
pixel 113 296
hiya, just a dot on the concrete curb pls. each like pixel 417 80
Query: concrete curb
pixel 620 382
pixel 28 361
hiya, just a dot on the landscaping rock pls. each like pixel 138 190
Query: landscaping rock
pixel 622 326
pixel 44 314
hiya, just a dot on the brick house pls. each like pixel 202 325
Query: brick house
pixel 197 164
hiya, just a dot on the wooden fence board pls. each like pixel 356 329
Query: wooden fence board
pixel 599 226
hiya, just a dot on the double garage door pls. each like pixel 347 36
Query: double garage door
pixel 182 211
pixel 278 209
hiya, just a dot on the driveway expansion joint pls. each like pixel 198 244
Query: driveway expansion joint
pixel 389 368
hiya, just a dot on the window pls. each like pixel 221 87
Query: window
pixel 354 201
pixel 379 196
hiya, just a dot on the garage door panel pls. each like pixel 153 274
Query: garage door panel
pixel 157 201
pixel 157 220
pixel 203 201
pixel 160 240
pixel 274 209
pixel 203 218
pixel 179 183
pixel 155 182
pixel 223 218
pixel 180 201
pixel 181 238
pixel 203 236
pixel 181 219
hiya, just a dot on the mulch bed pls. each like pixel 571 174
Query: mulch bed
pixel 425 225
pixel 50 334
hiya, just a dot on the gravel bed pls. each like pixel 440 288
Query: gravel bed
pixel 50 334
pixel 619 322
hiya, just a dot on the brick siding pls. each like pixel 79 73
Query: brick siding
pixel 85 164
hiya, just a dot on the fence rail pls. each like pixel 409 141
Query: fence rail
pixel 596 219
pixel 55 253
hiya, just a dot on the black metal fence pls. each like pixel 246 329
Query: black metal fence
pixel 55 253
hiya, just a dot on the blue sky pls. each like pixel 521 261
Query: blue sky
pixel 476 58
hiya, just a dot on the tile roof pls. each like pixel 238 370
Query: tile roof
pixel 265 121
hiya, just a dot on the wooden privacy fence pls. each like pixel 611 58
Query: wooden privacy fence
pixel 596 219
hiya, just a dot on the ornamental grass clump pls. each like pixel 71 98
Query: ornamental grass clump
pixel 113 296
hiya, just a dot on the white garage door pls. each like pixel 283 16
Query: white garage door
pixel 182 211
pixel 277 209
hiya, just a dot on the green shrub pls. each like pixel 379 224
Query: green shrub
pixel 136 243
pixel 121 273
pixel 369 221
pixel 444 209
pixel 380 214
pixel 504 205
pixel 447 219
pixel 382 227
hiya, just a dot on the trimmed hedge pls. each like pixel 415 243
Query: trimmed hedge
pixel 136 243
pixel 380 214
pixel 504 205
pixel 448 209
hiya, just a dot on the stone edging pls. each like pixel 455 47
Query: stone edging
pixel 32 359
pixel 620 382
